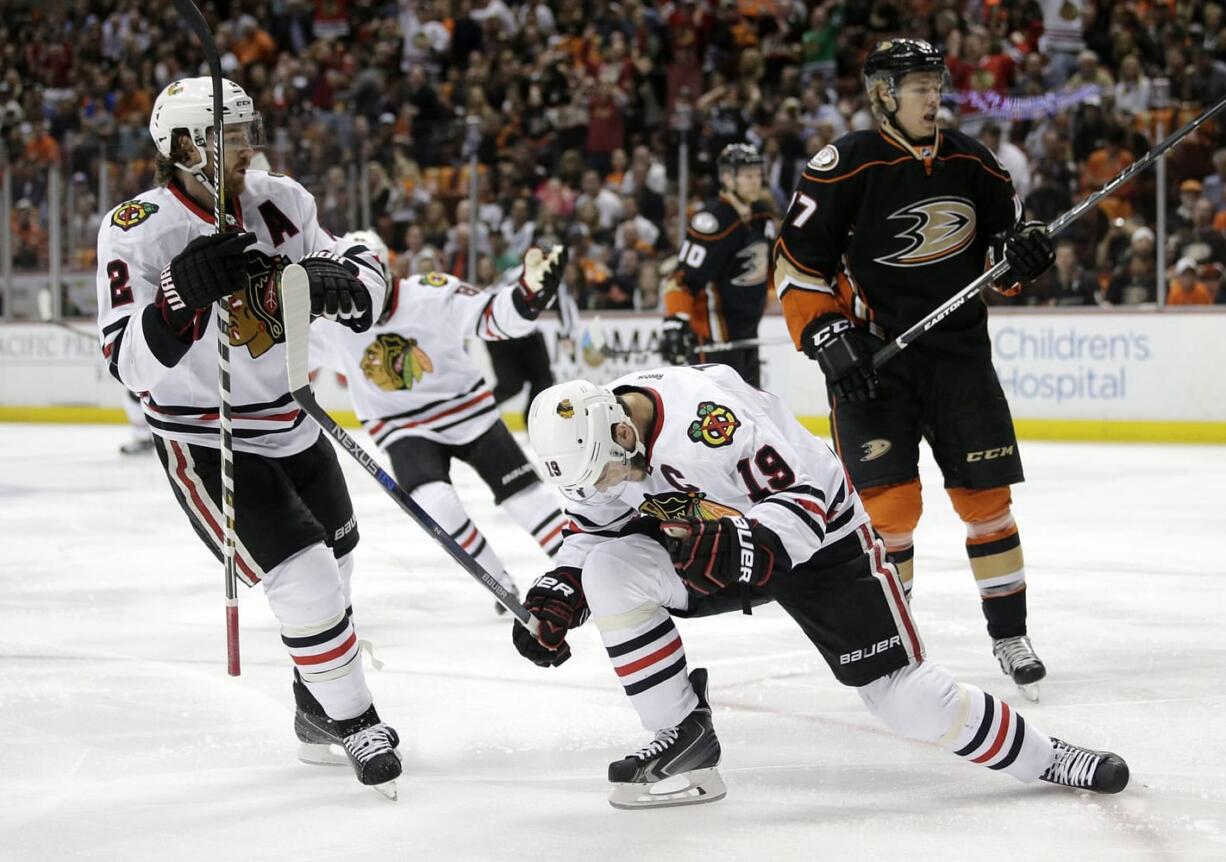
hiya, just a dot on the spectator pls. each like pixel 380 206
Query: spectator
pixel 1215 183
pixel 1090 74
pixel 1136 283
pixel 1133 90
pixel 607 202
pixel 1009 155
pixel 1067 283
pixel 1205 244
pixel 518 230
pixel 1184 288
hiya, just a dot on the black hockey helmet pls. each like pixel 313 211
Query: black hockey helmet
pixel 897 57
pixel 736 156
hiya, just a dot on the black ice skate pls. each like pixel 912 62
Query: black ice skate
pixel 319 743
pixel 1086 769
pixel 371 747
pixel 677 767
pixel 1019 663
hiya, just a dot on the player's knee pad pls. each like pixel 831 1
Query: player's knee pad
pixel 895 510
pixel 631 575
pixel 985 511
pixel 920 701
pixel 306 597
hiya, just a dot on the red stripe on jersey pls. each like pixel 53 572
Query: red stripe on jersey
pixel 469 403
pixel 548 536
pixel 811 506
pixel 900 603
pixel 203 512
pixel 1000 735
pixel 329 655
pixel 650 659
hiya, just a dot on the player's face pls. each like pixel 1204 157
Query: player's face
pixel 747 183
pixel 241 142
pixel 919 98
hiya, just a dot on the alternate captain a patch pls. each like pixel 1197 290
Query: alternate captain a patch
pixel 714 426
pixel 131 213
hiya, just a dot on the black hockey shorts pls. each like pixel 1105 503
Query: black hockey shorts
pixel 518 361
pixel 495 456
pixel 953 402
pixel 847 602
pixel 746 362
pixel 281 505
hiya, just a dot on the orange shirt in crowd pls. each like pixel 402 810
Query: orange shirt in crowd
pixel 1198 295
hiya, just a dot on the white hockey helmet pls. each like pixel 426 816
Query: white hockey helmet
pixel 570 426
pixel 188 104
pixel 377 247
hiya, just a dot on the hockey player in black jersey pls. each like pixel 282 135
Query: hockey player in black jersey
pixel 884 226
pixel 718 291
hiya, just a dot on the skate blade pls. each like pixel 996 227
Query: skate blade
pixel 691 788
pixel 387 790
pixel 322 754
pixel 1030 691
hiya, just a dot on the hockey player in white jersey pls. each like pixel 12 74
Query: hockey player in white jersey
pixel 421 397
pixel 161 267
pixel 695 494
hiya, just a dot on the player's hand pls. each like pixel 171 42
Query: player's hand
pixel 677 340
pixel 557 600
pixel 538 286
pixel 1029 251
pixel 845 354
pixel 209 268
pixel 336 291
pixel 712 555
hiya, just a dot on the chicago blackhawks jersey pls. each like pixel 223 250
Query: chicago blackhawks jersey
pixel 179 390
pixel 718 447
pixel 722 270
pixel 885 232
pixel 409 375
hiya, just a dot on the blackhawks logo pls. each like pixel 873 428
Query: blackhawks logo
pixel 714 426
pixel 131 213
pixel 685 506
pixel 255 313
pixel 393 362
pixel 565 409
pixel 434 279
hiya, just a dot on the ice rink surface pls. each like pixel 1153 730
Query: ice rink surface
pixel 125 739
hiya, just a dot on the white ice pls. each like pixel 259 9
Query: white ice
pixel 123 738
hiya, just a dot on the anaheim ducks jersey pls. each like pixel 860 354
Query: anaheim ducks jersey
pixel 722 271
pixel 717 448
pixel 410 375
pixel 885 233
pixel 179 390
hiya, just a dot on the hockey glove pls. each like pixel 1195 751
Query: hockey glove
pixel 538 286
pixel 209 268
pixel 557 600
pixel 677 340
pixel 1029 251
pixel 845 355
pixel 712 555
pixel 336 291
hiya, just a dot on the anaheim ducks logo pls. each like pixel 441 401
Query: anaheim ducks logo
pixel 940 228
pixel 714 426
pixel 255 313
pixel 393 362
pixel 685 506
pixel 874 449
pixel 755 265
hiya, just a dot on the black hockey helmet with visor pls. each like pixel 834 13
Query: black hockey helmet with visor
pixel 892 59
pixel 735 156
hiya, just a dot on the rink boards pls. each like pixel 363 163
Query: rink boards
pixel 1111 374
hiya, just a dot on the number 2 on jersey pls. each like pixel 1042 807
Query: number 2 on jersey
pixel 121 288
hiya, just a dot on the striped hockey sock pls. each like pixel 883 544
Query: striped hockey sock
pixel 536 510
pixel 649 660
pixel 991 733
pixel 444 506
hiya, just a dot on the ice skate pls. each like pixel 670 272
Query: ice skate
pixel 319 743
pixel 1086 769
pixel 677 767
pixel 138 445
pixel 371 747
pixel 1019 663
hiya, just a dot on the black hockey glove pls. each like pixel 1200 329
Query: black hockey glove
pixel 336 291
pixel 209 268
pixel 1029 251
pixel 677 340
pixel 712 555
pixel 845 354
pixel 557 600
pixel 538 286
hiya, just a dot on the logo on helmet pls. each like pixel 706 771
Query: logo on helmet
pixel 175 89
pixel 714 426
pixel 565 409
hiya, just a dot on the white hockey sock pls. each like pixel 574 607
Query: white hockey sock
pixel 923 701
pixel 440 500
pixel 649 660
pixel 345 566
pixel 307 598
pixel 536 510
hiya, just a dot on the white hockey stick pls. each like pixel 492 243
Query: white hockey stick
pixel 296 314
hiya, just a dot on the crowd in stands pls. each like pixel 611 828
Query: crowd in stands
pixel 579 109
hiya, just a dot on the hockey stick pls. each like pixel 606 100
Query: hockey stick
pixel 885 354
pixel 192 17
pixel 296 315
pixel 715 347
pixel 44 315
